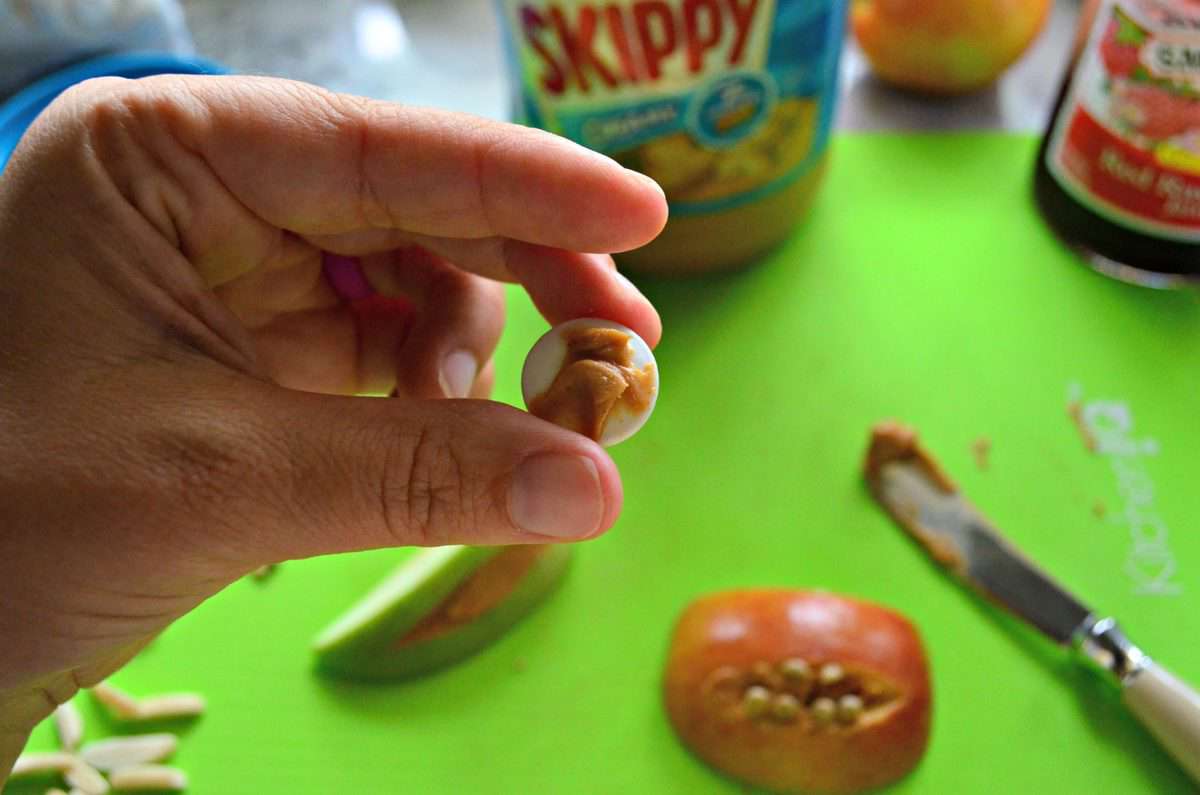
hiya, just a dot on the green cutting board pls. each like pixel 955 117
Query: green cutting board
pixel 922 286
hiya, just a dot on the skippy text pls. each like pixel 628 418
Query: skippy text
pixel 613 45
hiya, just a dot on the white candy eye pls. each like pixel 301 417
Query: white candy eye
pixel 542 386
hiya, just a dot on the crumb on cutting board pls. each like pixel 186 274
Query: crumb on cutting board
pixel 264 572
pixel 1075 412
pixel 981 448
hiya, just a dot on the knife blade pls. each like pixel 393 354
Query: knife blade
pixel 912 487
pixel 963 541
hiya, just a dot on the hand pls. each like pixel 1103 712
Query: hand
pixel 174 368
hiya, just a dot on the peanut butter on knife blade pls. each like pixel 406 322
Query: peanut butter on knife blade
pixel 912 488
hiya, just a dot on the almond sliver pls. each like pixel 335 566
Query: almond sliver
pixel 83 776
pixel 68 723
pixel 172 705
pixel 122 752
pixel 119 703
pixel 41 763
pixel 149 777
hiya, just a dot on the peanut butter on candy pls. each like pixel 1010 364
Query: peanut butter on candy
pixel 597 378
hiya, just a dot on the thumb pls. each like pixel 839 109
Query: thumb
pixel 358 473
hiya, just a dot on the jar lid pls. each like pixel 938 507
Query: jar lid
pixel 19 111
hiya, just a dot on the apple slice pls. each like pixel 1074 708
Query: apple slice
pixel 439 606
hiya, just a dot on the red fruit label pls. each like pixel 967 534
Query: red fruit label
pixel 1126 141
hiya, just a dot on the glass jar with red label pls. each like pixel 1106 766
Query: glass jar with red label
pixel 1118 173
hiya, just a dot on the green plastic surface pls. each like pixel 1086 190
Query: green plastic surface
pixel 922 286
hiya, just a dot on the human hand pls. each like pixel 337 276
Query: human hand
pixel 174 369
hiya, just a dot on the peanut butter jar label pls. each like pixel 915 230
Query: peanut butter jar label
pixel 1126 142
pixel 721 101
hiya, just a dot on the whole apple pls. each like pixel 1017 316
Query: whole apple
pixel 945 46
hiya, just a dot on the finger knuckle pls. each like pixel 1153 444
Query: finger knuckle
pixel 82 114
pixel 356 119
pixel 91 92
pixel 489 150
pixel 205 466
pixel 132 131
pixel 114 111
pixel 349 125
pixel 426 495
pixel 210 462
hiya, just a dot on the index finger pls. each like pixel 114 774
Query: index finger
pixel 315 162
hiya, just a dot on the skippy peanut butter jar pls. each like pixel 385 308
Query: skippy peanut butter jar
pixel 726 103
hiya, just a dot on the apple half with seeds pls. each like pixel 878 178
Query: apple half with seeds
pixel 438 607
pixel 799 691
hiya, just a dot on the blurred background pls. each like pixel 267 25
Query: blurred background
pixel 448 54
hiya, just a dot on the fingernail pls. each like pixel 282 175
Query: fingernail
pixel 648 181
pixel 458 374
pixel 556 495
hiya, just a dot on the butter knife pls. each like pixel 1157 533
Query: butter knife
pixel 911 486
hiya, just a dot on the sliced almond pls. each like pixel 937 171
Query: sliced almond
pixel 86 778
pixel 172 705
pixel 41 763
pixel 125 707
pixel 122 752
pixel 57 791
pixel 69 725
pixel 118 702
pixel 149 777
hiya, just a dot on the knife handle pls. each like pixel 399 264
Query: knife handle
pixel 1170 709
